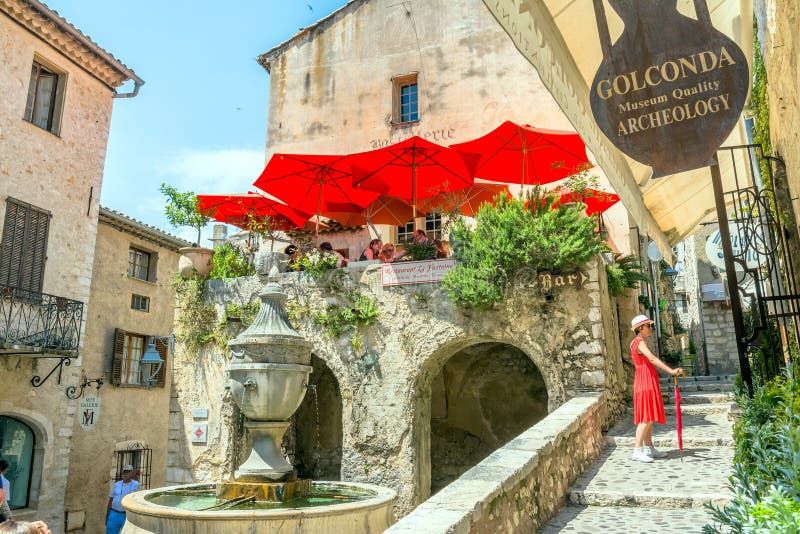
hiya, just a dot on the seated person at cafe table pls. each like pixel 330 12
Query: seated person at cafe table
pixel 420 237
pixel 327 247
pixel 387 254
pixel 372 251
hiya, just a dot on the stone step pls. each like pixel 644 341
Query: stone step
pixel 626 520
pixel 692 387
pixel 615 479
pixel 704 429
pixel 698 397
pixel 698 409
pixel 690 379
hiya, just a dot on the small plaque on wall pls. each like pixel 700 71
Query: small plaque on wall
pixel 200 413
pixel 199 432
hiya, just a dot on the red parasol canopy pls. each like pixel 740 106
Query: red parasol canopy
pixel 382 210
pixel 314 183
pixel 526 155
pixel 237 209
pixel 678 416
pixel 413 169
pixel 596 201
pixel 466 200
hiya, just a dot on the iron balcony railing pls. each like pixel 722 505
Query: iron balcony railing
pixel 35 323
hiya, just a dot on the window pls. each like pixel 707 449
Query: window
pixel 44 97
pixel 433 225
pixel 23 250
pixel 139 265
pixel 405 98
pixel 140 302
pixel 17 445
pixel 405 233
pixel 128 350
pixel 681 303
pixel 140 457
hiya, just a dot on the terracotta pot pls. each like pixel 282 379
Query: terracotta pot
pixel 195 261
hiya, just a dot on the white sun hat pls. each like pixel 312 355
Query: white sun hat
pixel 640 320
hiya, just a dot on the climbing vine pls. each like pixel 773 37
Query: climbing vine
pixel 196 322
pixel 760 106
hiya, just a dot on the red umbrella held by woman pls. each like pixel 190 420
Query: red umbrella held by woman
pixel 413 169
pixel 522 154
pixel 678 416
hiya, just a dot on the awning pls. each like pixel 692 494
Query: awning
pixel 560 39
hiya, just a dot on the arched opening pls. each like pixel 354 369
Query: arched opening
pixel 317 427
pixel 484 396
pixel 18 448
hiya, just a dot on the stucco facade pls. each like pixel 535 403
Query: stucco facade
pixel 331 89
pixel 59 171
pixel 130 417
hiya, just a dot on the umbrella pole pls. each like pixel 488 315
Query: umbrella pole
pixel 414 195
pixel 319 207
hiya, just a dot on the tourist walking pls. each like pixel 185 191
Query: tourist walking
pixel 115 513
pixel 648 405
pixel 372 251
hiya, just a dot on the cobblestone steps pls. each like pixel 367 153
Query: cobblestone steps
pixel 620 495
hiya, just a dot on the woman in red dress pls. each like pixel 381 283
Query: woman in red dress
pixel 648 405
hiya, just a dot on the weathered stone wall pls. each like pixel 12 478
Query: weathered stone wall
pixel 62 174
pixel 723 355
pixel 93 457
pixel 386 386
pixel 522 485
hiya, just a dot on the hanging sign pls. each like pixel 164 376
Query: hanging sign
pixel 743 247
pixel 88 412
pixel 671 88
pixel 415 272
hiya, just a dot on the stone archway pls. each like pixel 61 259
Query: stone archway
pixel 317 427
pixel 485 395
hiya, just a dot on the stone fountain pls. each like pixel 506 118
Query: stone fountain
pixel 268 379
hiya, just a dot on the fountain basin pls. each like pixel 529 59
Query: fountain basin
pixel 356 508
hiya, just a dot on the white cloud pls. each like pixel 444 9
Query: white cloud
pixel 218 171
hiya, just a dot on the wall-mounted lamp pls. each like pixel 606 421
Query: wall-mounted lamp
pixel 150 364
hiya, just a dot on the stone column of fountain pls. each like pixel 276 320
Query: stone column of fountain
pixel 268 378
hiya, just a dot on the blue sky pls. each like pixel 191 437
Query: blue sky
pixel 199 122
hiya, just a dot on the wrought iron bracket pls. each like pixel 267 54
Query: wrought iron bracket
pixel 72 391
pixel 37 381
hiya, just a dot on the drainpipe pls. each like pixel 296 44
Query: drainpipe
pixel 136 85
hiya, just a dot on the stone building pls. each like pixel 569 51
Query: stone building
pixel 57 91
pixel 131 305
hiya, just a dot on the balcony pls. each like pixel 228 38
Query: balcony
pixel 38 324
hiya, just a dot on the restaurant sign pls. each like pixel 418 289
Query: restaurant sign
pixel 548 281
pixel 415 272
pixel 671 88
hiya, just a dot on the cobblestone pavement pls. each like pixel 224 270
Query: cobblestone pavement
pixel 619 495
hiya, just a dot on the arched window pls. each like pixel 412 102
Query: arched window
pixel 17 447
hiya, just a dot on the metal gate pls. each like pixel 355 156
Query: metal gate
pixel 758 263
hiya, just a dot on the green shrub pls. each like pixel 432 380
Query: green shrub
pixel 230 261
pixel 419 251
pixel 624 273
pixel 766 478
pixel 358 310
pixel 515 233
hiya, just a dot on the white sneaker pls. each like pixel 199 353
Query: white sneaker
pixel 652 452
pixel 640 456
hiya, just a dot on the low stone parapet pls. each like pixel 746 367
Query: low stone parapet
pixel 522 485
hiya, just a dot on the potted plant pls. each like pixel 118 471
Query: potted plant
pixel 181 210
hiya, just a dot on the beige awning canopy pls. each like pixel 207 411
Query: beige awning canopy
pixel 560 38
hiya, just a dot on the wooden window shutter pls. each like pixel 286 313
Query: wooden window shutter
pixel 24 246
pixel 163 350
pixel 116 362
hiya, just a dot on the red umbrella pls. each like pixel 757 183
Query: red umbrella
pixel 596 201
pixel 526 155
pixel 413 169
pixel 383 210
pixel 314 183
pixel 466 200
pixel 239 210
pixel 678 417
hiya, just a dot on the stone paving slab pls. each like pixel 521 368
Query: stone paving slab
pixel 709 429
pixel 616 479
pixel 624 520
pixel 699 409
